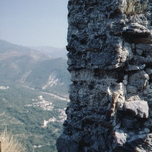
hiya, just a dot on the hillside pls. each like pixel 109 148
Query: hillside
pixel 31 68
pixel 33 95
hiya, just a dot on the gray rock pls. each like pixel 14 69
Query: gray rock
pixel 120 137
pixel 65 144
pixel 131 89
pixel 137 108
pixel 146 130
pixel 125 82
pixel 135 67
pixel 149 71
pixel 139 79
pixel 139 51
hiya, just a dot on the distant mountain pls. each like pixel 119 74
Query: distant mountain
pixel 7 47
pixel 53 52
pixel 33 68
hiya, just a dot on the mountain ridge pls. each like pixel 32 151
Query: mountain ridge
pixel 33 68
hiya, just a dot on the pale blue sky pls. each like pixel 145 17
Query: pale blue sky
pixel 34 22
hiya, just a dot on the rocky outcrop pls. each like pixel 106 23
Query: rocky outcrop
pixel 110 61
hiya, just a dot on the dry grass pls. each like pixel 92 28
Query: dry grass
pixel 9 143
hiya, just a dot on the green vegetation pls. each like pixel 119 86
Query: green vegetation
pixel 26 122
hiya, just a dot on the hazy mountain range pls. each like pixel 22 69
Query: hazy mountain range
pixel 43 68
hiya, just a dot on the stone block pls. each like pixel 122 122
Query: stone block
pixel 137 108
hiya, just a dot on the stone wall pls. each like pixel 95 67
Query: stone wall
pixel 110 61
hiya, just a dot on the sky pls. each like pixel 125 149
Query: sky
pixel 34 22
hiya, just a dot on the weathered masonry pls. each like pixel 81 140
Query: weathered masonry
pixel 110 61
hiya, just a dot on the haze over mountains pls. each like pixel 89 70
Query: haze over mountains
pixel 43 68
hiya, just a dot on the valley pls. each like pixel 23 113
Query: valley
pixel 33 95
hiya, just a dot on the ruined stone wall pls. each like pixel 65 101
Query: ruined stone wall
pixel 110 61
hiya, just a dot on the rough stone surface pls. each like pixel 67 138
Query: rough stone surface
pixel 64 143
pixel 137 108
pixel 110 61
